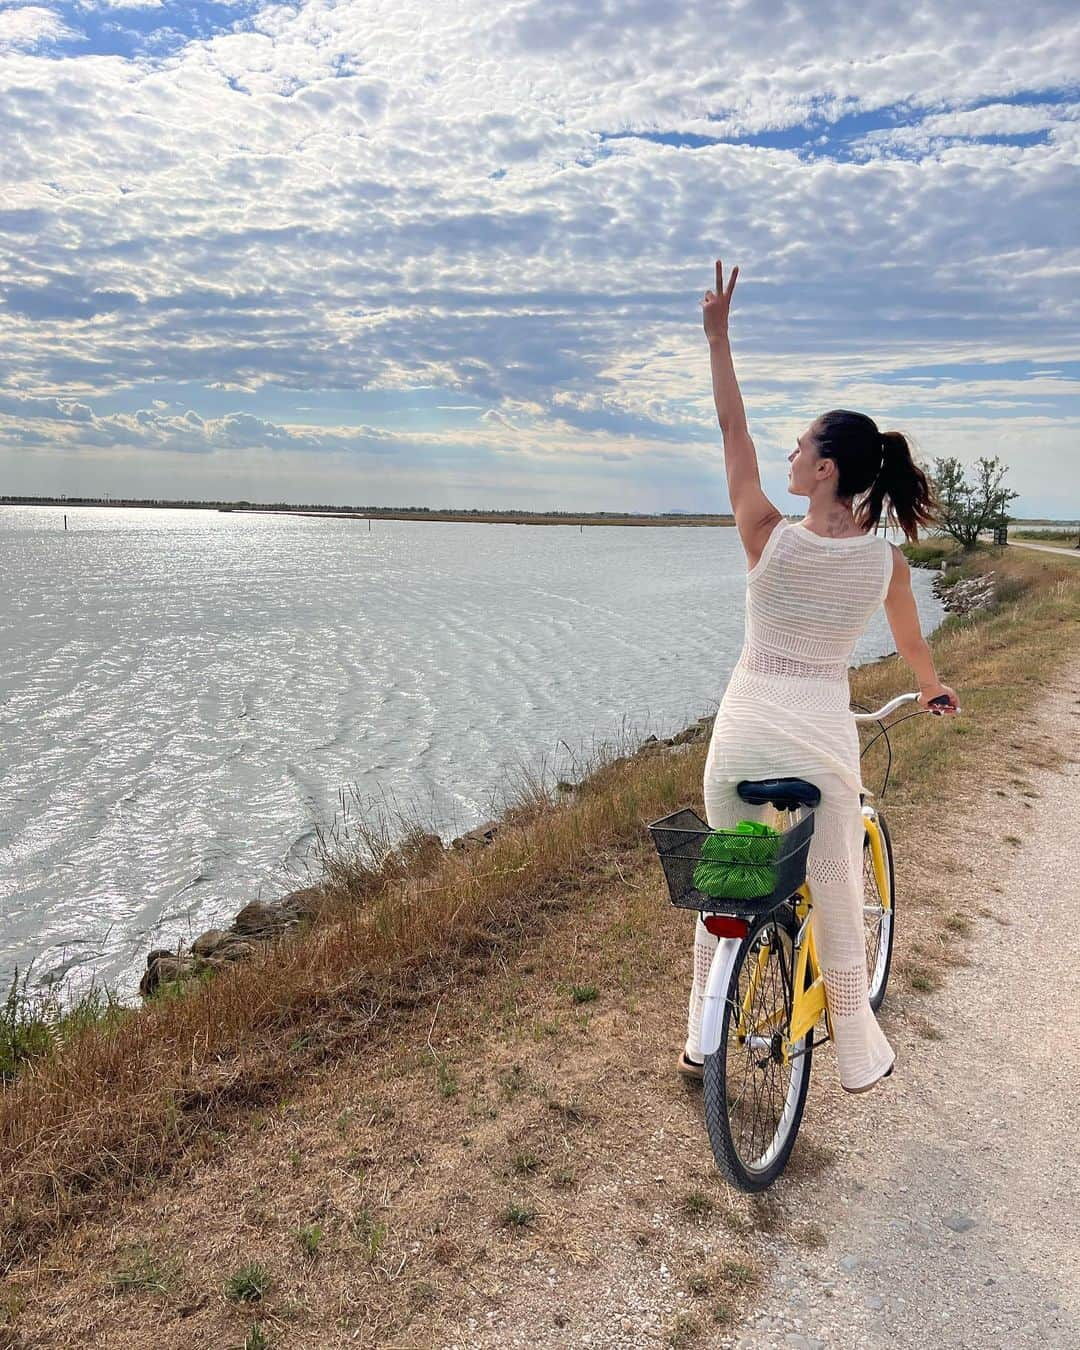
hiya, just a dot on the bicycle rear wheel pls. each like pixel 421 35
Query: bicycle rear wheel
pixel 754 1098
pixel 879 920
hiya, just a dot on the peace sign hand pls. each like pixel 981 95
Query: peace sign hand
pixel 717 304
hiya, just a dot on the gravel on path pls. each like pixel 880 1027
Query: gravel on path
pixel 952 1220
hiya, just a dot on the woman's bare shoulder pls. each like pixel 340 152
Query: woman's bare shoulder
pixel 898 555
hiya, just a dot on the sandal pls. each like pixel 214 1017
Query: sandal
pixel 690 1068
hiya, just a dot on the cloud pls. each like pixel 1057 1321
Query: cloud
pixel 26 27
pixel 518 205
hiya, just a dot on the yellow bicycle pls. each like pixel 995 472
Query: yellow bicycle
pixel 765 994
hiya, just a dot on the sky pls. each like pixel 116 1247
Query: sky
pixel 452 254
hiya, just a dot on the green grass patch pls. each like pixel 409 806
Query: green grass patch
pixel 248 1284
pixel 34 1023
pixel 930 552
pixel 515 1214
pixel 446 1079
pixel 736 1274
pixel 309 1239
pixel 370 1233
pixel 143 1272
pixel 696 1204
pixel 1049 535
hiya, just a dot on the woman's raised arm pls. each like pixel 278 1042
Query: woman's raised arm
pixel 755 515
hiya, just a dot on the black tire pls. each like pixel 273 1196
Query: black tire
pixel 775 1103
pixel 879 924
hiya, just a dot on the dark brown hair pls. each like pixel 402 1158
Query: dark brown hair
pixel 877 467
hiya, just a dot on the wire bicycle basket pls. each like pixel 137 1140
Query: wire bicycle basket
pixel 680 838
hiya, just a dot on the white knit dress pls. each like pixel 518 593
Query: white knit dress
pixel 786 714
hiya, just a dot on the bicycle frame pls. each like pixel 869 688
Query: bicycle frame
pixel 877 853
pixel 808 998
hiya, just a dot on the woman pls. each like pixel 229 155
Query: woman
pixel 811 588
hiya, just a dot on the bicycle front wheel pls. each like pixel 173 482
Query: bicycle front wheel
pixel 754 1095
pixel 879 918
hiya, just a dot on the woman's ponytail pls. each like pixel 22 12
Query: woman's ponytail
pixel 902 484
pixel 874 468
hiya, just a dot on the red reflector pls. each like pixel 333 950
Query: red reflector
pixel 725 925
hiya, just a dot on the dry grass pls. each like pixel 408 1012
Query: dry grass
pixel 923 1026
pixel 185 1065
pixel 445 993
pixel 813 1236
pixel 811 1157
pixel 554 1153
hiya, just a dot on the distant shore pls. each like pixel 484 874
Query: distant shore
pixel 394 512
pixel 497 517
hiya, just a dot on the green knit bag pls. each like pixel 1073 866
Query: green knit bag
pixel 737 864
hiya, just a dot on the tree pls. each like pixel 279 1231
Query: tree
pixel 968 507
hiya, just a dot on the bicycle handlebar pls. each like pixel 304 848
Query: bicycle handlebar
pixel 895 703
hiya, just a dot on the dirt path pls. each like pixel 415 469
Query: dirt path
pixel 1047 548
pixel 953 1220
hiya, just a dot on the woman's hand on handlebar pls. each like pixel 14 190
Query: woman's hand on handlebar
pixel 930 693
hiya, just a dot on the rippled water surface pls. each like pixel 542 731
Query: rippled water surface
pixel 184 694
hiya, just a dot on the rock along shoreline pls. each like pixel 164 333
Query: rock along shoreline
pixel 959 595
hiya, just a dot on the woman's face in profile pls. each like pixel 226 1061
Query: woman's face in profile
pixel 801 475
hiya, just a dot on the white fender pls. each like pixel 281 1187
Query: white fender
pixel 716 988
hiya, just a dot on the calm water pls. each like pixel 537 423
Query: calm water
pixel 184 695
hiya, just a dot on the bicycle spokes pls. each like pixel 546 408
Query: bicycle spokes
pixel 756 1079
pixel 757 1067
